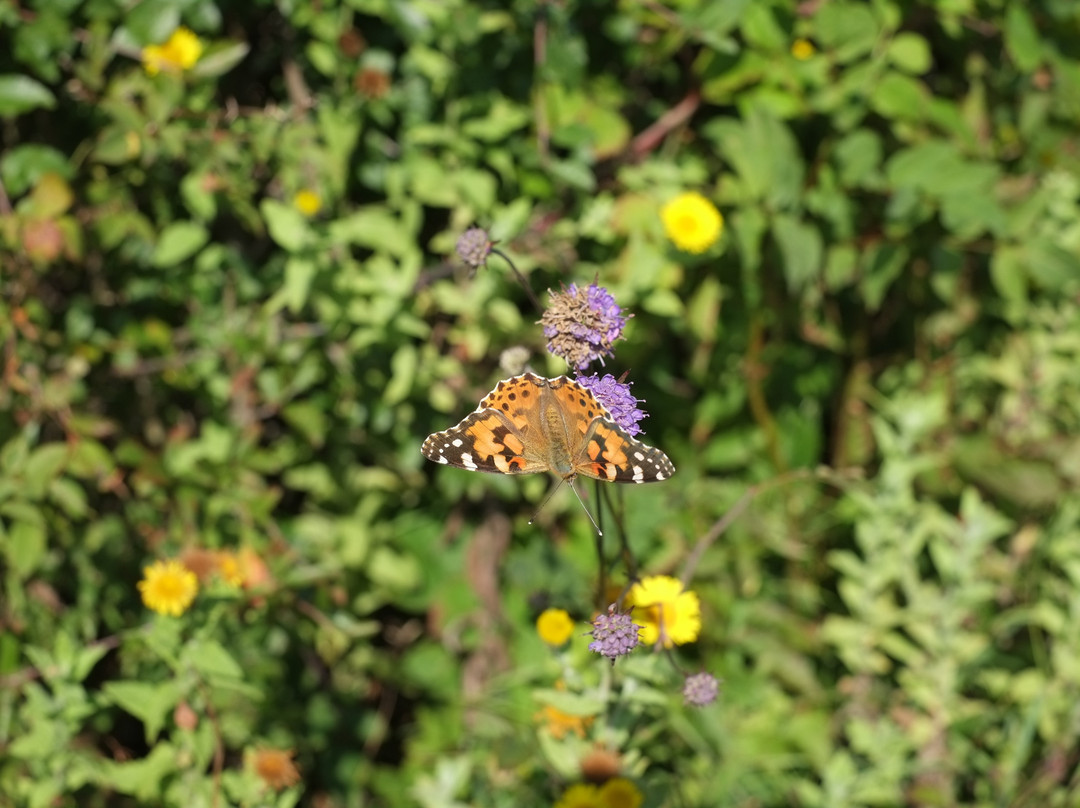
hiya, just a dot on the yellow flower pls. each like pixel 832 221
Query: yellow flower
pixel 168 587
pixel 669 615
pixel 618 792
pixel 802 49
pixel 307 202
pixel 229 567
pixel 275 767
pixel 581 795
pixel 554 626
pixel 692 222
pixel 180 52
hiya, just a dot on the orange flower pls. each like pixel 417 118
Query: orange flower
pixel 559 724
pixel 229 566
pixel 275 768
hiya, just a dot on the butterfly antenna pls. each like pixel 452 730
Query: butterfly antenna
pixel 573 488
pixel 547 499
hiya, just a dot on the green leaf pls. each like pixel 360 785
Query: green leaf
pixel 69 496
pixel 300 273
pixel 217 61
pixel 25 547
pixel 910 53
pixel 286 225
pixel 151 22
pixel 373 227
pixel 764 154
pixel 900 97
pixel 802 249
pixel 142 779
pixel 882 264
pixel 149 702
pixel 43 465
pixel 308 419
pixel 22 166
pixel 858 158
pixel 848 28
pixel 1022 41
pixel 19 94
pixel 210 658
pixel 178 242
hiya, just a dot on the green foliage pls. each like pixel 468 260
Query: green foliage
pixel 868 387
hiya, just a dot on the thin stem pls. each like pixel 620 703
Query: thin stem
pixel 521 279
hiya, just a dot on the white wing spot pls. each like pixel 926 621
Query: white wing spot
pixel 457 442
pixel 467 461
pixel 442 459
pixel 639 456
pixel 639 475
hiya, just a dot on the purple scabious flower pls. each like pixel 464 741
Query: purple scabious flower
pixel 618 399
pixel 700 689
pixel 474 247
pixel 582 324
pixel 614 634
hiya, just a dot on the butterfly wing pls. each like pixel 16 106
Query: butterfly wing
pixel 611 454
pixel 486 440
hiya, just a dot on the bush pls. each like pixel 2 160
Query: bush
pixel 232 311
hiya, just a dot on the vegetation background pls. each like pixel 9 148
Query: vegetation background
pixel 231 313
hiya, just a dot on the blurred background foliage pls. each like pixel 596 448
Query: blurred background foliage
pixel 231 313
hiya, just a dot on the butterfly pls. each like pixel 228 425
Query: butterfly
pixel 529 424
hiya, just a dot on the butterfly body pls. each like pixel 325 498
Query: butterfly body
pixel 530 424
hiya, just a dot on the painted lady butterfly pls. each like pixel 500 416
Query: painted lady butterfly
pixel 528 424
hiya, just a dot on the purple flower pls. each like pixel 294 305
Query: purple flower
pixel 700 689
pixel 617 398
pixel 473 247
pixel 614 634
pixel 582 324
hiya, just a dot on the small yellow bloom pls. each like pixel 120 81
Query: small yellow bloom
pixel 168 587
pixel 669 615
pixel 275 767
pixel 229 567
pixel 180 52
pixel 802 49
pixel 554 626
pixel 692 222
pixel 307 202
pixel 618 792
pixel 581 795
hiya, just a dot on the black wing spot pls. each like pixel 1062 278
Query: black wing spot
pixel 506 407
pixel 512 396
pixel 524 393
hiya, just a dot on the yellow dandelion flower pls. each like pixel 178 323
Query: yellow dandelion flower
pixel 559 724
pixel 275 767
pixel 618 792
pixel 228 566
pixel 180 52
pixel 670 615
pixel 581 795
pixel 554 626
pixel 802 49
pixel 168 587
pixel 692 222
pixel 307 202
